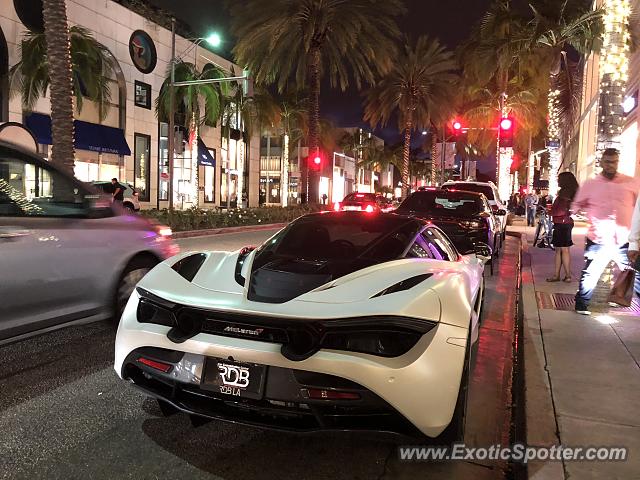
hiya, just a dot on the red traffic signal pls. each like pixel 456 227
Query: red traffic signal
pixel 457 126
pixel 506 124
pixel 317 160
pixel 506 132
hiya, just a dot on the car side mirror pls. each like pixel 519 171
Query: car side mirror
pixel 482 251
pixel 501 212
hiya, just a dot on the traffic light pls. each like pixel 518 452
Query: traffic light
pixel 315 161
pixel 457 126
pixel 506 132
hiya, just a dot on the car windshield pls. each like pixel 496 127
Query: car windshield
pixel 471 187
pixel 360 197
pixel 443 204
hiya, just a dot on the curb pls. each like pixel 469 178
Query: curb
pixel 226 230
pixel 518 431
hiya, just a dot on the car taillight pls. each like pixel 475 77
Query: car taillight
pixel 164 231
pixel 336 206
pixel 369 209
pixel 163 367
pixel 475 224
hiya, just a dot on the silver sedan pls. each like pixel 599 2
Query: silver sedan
pixel 66 254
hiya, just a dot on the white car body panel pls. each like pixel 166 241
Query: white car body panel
pixel 425 379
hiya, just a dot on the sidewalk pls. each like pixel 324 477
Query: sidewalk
pixel 582 373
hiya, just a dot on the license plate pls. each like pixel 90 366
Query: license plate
pixel 353 208
pixel 244 380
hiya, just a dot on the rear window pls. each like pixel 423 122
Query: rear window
pixel 471 187
pixel 443 203
pixel 360 197
pixel 342 236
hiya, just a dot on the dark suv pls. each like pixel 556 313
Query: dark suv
pixel 466 217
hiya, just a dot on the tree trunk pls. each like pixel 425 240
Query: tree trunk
pixel 311 174
pixel 56 32
pixel 406 151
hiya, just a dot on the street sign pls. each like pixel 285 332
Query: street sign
pixel 553 144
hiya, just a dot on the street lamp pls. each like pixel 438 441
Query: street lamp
pixel 214 40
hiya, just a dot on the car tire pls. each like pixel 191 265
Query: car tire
pixel 455 430
pixel 131 275
pixel 128 207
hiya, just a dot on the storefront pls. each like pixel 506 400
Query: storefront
pixel 100 150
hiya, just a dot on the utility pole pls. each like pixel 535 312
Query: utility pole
pixel 172 93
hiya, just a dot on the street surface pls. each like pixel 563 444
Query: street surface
pixel 65 414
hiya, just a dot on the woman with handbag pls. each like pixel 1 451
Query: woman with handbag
pixel 563 225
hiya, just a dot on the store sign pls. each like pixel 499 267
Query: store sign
pixel 142 51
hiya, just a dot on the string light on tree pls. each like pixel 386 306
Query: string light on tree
pixel 614 67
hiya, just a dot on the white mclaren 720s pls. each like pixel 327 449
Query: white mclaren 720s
pixel 340 321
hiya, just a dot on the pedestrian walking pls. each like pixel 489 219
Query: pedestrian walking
pixel 117 191
pixel 530 202
pixel 608 201
pixel 563 225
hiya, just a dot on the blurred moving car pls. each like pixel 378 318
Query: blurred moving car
pixel 131 202
pixel 490 191
pixel 342 320
pixel 367 202
pixel 466 217
pixel 65 253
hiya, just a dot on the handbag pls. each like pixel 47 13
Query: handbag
pixel 622 290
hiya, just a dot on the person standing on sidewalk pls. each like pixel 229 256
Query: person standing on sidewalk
pixel 634 236
pixel 563 224
pixel 608 201
pixel 530 201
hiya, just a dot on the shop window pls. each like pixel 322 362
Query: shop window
pixel 142 95
pixel 141 177
pixel 163 162
pixel 210 181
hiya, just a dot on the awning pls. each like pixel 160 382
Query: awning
pixel 205 158
pixel 87 136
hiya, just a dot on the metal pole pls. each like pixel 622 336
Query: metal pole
pixel 443 160
pixel 171 142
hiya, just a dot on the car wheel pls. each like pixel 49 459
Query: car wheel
pixel 132 274
pixel 455 430
pixel 128 208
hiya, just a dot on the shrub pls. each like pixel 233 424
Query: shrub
pixel 198 219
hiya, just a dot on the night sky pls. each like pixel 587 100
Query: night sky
pixel 449 20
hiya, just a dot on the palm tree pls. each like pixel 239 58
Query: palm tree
pixel 297 42
pixel 557 26
pixel 417 89
pixel 195 104
pixel 91 63
pixel 56 31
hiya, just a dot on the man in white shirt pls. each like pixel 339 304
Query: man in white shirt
pixel 634 235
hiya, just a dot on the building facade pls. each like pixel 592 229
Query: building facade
pixel 130 143
pixel 580 155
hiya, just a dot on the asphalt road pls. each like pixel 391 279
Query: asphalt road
pixel 65 414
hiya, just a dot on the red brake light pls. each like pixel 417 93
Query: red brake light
pixel 163 367
pixel 336 206
pixel 369 209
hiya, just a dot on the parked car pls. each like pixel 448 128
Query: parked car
pixel 131 202
pixel 66 255
pixel 490 191
pixel 367 202
pixel 466 217
pixel 306 331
